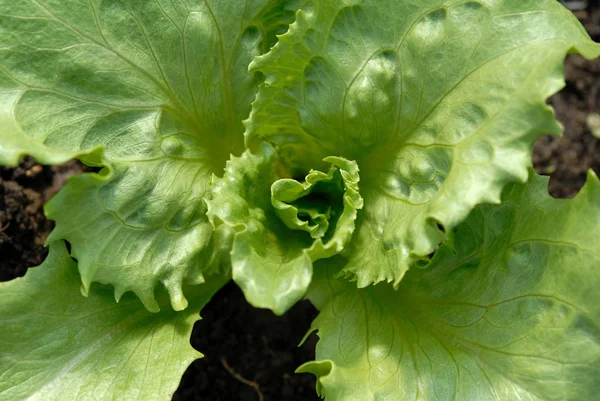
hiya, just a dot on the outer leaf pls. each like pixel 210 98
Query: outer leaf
pixel 162 86
pixel 133 232
pixel 273 248
pixel 14 143
pixel 511 314
pixel 57 345
pixel 438 102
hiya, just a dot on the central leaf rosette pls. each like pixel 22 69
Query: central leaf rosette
pixel 280 225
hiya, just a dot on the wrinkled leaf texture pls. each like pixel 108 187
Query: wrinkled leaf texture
pixel 161 87
pixel 438 102
pixel 511 312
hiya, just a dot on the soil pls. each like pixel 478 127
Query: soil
pixel 23 226
pixel 568 158
pixel 250 354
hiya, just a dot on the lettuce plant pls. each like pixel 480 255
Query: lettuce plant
pixel 372 157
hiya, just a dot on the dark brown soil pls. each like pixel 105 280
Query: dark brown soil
pixel 250 354
pixel 242 343
pixel 568 158
pixel 23 226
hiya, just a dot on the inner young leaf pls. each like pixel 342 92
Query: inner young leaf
pixel 282 225
pixel 313 205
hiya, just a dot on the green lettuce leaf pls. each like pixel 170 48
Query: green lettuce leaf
pixel 281 226
pixel 511 311
pixel 57 345
pixel 438 102
pixel 14 144
pixel 162 88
